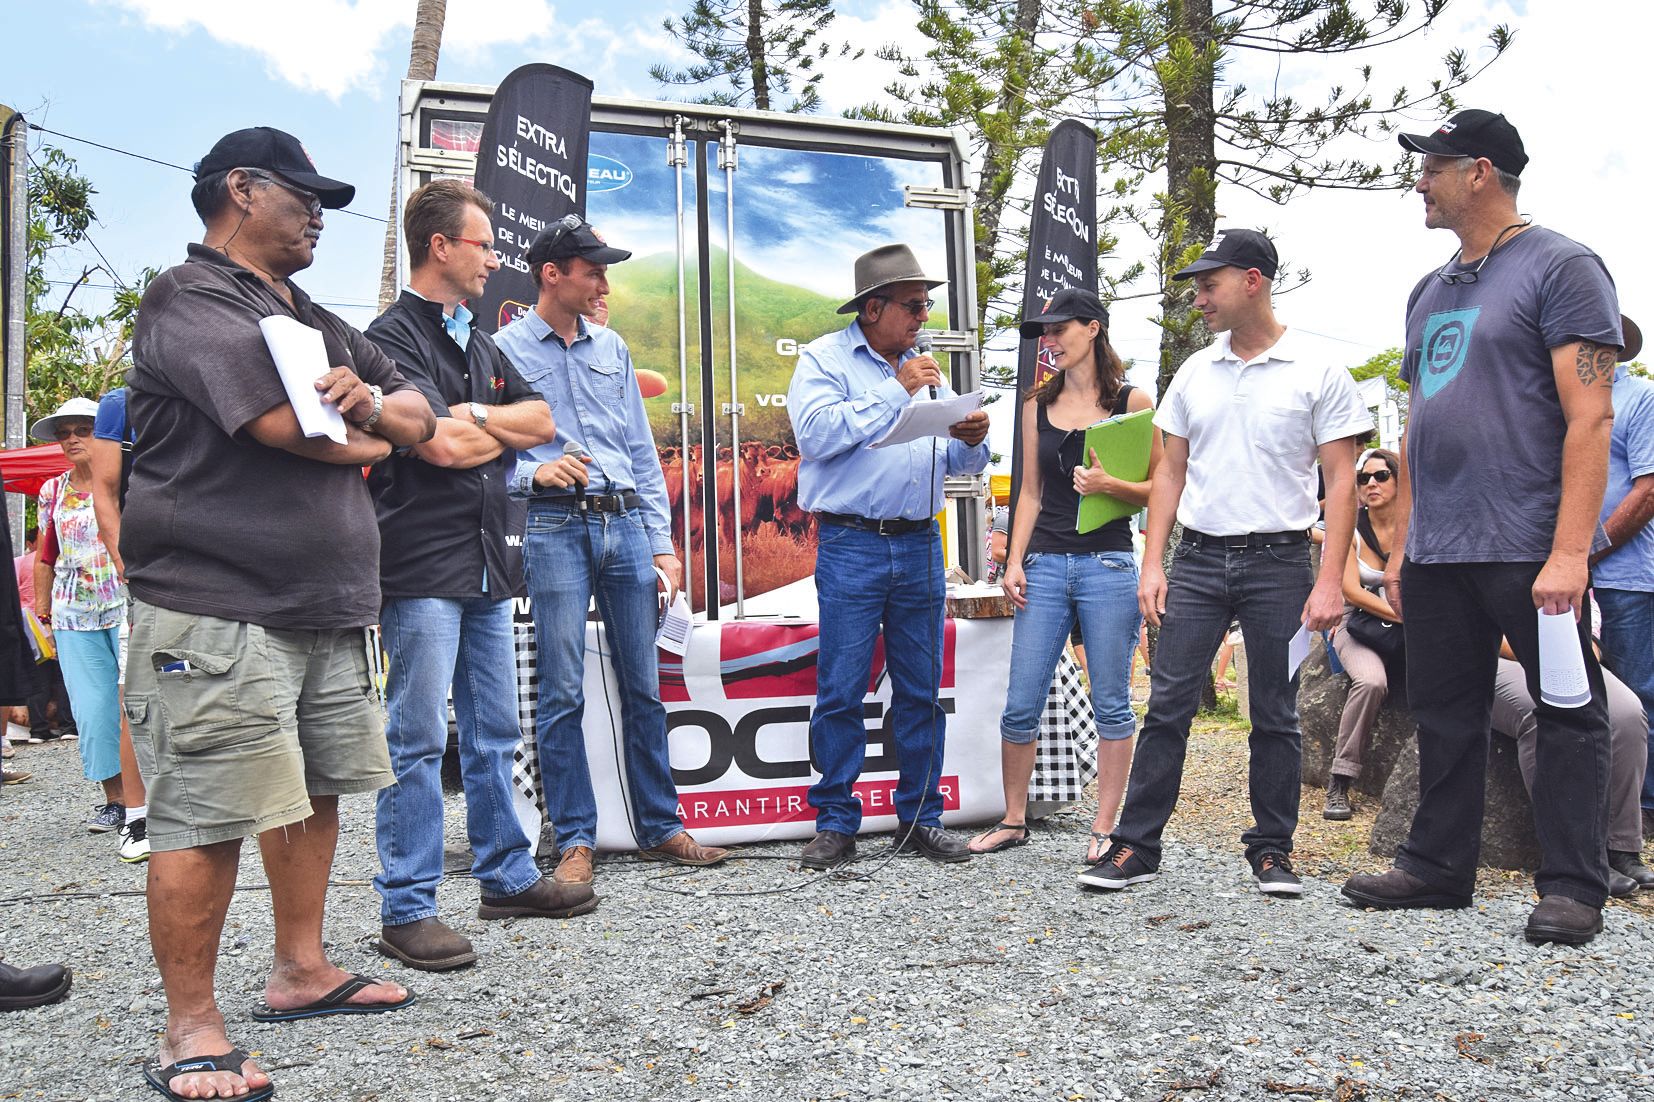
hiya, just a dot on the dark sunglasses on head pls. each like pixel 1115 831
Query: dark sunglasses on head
pixel 1364 477
pixel 78 430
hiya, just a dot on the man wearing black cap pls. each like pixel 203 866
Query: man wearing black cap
pixel 1510 362
pixel 451 563
pixel 878 556
pixel 252 555
pixel 597 520
pixel 1244 420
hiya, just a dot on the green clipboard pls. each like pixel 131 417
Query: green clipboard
pixel 1122 444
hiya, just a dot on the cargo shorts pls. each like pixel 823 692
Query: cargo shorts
pixel 236 726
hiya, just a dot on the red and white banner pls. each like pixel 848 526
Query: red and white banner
pixel 738 720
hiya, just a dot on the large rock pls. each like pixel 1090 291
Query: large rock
pixel 1508 839
pixel 1390 769
pixel 1321 696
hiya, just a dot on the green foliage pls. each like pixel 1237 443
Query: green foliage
pixel 67 351
pixel 1386 365
pixel 762 51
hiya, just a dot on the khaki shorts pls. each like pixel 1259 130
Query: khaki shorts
pixel 236 726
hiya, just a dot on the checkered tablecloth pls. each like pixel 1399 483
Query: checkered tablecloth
pixel 1065 760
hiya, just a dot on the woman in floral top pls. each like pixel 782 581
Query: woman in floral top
pixel 87 603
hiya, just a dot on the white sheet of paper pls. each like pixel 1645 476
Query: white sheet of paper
pixel 301 359
pixel 1297 649
pixel 1562 680
pixel 928 417
pixel 676 627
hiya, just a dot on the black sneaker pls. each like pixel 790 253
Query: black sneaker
pixel 109 817
pixel 1120 867
pixel 1273 870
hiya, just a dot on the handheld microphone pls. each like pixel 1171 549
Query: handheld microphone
pixel 572 450
pixel 921 345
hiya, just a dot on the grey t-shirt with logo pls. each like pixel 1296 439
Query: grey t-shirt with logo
pixel 1485 425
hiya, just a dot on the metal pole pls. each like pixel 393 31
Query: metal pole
pixel 677 155
pixel 16 146
pixel 734 407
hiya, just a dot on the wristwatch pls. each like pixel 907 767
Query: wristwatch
pixel 378 408
pixel 479 414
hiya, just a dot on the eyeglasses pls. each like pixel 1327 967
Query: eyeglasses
pixel 917 306
pixel 78 430
pixel 1364 477
pixel 1455 278
pixel 563 227
pixel 489 245
pixel 312 202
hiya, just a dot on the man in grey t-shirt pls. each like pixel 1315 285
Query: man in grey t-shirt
pixel 1510 359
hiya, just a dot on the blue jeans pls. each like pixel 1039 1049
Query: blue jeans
pixel 564 552
pixel 91 673
pixel 432 643
pixel 1628 650
pixel 1100 590
pixel 865 581
pixel 1265 589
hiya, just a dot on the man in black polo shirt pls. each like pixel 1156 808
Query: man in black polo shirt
pixel 251 554
pixel 451 562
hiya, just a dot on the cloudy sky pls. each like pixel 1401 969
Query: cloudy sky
pixel 165 78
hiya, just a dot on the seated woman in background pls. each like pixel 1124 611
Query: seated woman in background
pixel 1376 475
pixel 1059 578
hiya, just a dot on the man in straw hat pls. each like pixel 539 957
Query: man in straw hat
pixel 879 561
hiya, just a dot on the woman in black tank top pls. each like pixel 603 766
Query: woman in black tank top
pixel 1057 576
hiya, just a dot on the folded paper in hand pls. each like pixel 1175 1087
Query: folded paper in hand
pixel 301 359
pixel 928 417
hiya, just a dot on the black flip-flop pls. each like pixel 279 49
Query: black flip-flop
pixel 158 1077
pixel 1009 843
pixel 334 1002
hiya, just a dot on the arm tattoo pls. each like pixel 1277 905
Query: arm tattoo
pixel 1595 362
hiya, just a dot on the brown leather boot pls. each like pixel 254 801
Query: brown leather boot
pixel 427 944
pixel 545 898
pixel 681 849
pixel 575 866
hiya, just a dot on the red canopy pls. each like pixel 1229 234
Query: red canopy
pixel 28 469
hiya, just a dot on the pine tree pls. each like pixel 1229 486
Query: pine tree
pixel 763 52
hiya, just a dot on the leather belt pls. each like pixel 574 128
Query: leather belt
pixel 1198 540
pixel 596 503
pixel 892 526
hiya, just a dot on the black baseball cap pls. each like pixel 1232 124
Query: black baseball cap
pixel 1473 133
pixel 1241 249
pixel 572 236
pixel 274 151
pixel 1068 304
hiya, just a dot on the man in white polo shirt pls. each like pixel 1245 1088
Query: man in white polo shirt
pixel 1244 420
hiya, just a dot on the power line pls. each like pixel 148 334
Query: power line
pixel 360 304
pixel 163 164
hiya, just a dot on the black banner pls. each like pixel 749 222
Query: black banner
pixel 532 163
pixel 1062 249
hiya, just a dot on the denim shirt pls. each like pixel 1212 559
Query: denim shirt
pixel 594 397
pixel 843 395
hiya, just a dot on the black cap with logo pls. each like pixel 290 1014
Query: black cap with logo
pixel 274 151
pixel 1473 133
pixel 572 236
pixel 1236 249
pixel 1068 304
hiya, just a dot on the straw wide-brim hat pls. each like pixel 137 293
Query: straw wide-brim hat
pixel 46 427
pixel 883 266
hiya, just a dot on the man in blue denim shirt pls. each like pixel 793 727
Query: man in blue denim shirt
pixel 597 519
pixel 878 559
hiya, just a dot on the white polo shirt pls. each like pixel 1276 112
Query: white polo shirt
pixel 1253 429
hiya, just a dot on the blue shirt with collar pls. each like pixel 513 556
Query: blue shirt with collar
pixel 592 389
pixel 842 396
pixel 1630 456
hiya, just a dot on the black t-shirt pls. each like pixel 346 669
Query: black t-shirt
pixel 215 522
pixel 1060 451
pixel 441 528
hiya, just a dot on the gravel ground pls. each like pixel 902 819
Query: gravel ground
pixel 992 980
